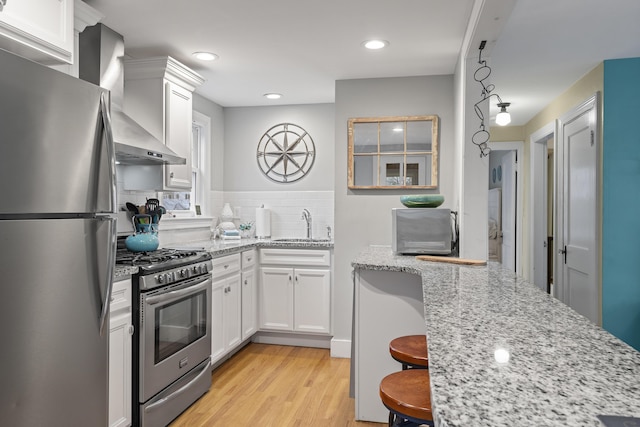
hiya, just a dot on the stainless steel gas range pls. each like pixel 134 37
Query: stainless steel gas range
pixel 172 338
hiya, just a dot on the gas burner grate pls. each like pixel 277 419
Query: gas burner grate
pixel 125 257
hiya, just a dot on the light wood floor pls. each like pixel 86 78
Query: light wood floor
pixel 271 385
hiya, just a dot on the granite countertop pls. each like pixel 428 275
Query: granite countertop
pixel 220 248
pixel 562 370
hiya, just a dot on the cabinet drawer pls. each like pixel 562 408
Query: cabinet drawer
pixel 121 296
pixel 226 265
pixel 293 257
pixel 249 258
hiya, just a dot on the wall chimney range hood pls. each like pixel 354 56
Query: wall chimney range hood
pixel 101 62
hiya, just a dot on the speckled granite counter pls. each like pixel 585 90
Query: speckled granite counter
pixel 562 370
pixel 219 248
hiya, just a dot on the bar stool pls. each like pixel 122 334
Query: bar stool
pixel 407 396
pixel 411 351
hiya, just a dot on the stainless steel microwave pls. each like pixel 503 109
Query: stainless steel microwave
pixel 422 231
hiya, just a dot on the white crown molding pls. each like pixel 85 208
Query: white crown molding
pixel 162 67
pixel 84 16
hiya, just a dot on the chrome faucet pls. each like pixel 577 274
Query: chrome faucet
pixel 306 215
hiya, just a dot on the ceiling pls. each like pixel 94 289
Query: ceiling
pixel 299 49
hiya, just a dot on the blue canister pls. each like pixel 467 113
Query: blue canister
pixel 142 242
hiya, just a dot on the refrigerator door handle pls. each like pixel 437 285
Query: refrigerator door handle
pixel 111 262
pixel 111 151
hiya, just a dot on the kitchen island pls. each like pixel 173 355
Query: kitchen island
pixel 501 351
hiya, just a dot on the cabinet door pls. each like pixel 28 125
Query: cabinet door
pixel 120 371
pixel 217 319
pixel 276 298
pixel 41 30
pixel 232 314
pixel 312 292
pixel 249 297
pixel 178 119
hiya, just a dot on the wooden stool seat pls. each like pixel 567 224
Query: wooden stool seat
pixel 410 350
pixel 407 395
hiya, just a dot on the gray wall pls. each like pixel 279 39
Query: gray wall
pixel 244 126
pixel 363 217
pixel 216 114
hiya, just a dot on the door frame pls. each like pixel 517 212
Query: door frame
pixel 591 104
pixel 537 174
pixel 518 147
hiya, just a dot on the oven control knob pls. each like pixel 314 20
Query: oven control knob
pixel 204 268
pixel 183 273
pixel 160 278
pixel 195 269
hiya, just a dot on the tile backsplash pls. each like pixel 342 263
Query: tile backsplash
pixel 286 210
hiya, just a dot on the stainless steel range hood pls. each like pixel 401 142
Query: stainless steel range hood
pixel 101 62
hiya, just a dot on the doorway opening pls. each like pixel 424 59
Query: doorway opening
pixel 505 205
pixel 543 207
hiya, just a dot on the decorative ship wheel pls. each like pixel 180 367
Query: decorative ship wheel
pixel 286 153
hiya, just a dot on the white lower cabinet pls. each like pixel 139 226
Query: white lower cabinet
pixel 249 294
pixel 120 332
pixel 225 307
pixel 297 298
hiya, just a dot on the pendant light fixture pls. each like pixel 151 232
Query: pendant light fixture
pixel 503 118
pixel 482 135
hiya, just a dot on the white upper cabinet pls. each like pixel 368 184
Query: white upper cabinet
pixel 41 30
pixel 159 95
pixel 179 115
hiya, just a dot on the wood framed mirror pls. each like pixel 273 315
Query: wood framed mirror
pixel 398 152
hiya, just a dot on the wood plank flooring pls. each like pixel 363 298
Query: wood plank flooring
pixel 270 385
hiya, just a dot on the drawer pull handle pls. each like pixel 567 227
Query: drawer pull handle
pixel 226 266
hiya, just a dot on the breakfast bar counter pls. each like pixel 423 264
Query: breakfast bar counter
pixel 501 351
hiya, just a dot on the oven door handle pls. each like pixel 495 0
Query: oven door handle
pixel 205 371
pixel 198 286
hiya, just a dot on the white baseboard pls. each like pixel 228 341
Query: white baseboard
pixel 341 348
pixel 299 340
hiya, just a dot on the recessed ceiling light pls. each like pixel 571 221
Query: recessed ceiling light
pixel 205 56
pixel 272 95
pixel 375 44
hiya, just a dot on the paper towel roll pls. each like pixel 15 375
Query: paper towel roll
pixel 263 223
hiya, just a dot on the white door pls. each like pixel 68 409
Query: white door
pixel 312 300
pixel 249 322
pixel 231 309
pixel 509 210
pixel 276 298
pixel 578 263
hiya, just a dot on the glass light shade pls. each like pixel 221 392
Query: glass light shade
pixel 503 118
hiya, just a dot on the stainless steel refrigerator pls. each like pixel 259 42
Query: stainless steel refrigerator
pixel 57 244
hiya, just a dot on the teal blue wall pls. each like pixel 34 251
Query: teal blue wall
pixel 621 200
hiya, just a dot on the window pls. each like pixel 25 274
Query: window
pixel 393 152
pixel 183 200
